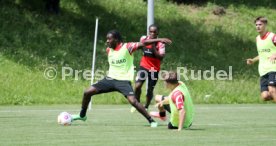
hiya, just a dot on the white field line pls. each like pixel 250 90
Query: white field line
pixel 128 108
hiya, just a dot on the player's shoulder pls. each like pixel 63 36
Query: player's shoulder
pixel 107 50
pixel 177 93
pixel 272 34
pixel 130 44
pixel 143 37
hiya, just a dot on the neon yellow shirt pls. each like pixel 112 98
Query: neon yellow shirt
pixel 188 106
pixel 266 48
pixel 120 61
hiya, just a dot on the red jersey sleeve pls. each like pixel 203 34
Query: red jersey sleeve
pixel 132 46
pixel 274 39
pixel 143 38
pixel 161 48
pixel 178 99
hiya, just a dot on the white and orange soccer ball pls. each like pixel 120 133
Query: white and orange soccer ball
pixel 64 118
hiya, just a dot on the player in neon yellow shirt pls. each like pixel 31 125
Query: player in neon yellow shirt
pixel 266 47
pixel 120 74
pixel 179 103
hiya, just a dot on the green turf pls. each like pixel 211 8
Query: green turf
pixel 115 125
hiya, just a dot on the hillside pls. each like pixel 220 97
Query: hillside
pixel 33 40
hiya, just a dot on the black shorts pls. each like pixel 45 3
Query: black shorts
pixel 266 80
pixel 109 85
pixel 144 74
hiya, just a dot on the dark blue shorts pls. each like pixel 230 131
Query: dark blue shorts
pixel 266 80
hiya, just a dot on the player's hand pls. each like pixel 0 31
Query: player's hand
pixel 249 61
pixel 177 130
pixel 272 58
pixel 159 104
pixel 166 41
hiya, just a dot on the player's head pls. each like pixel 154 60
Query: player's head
pixel 171 79
pixel 113 38
pixel 153 31
pixel 260 23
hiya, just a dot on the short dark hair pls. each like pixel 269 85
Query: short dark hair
pixel 154 25
pixel 116 35
pixel 171 77
pixel 262 19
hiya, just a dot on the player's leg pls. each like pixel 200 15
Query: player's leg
pixel 102 86
pixel 272 85
pixel 85 102
pixel 88 93
pixel 265 94
pixel 140 79
pixel 152 80
pixel 125 88
pixel 272 91
pixel 161 109
pixel 139 107
pixel 138 89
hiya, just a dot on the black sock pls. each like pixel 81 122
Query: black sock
pixel 83 112
pixel 150 120
pixel 162 114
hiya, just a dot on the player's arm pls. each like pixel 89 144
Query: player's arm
pixel 157 53
pixel 163 102
pixel 178 99
pixel 151 41
pixel 133 46
pixel 250 61
pixel 182 113
pixel 272 58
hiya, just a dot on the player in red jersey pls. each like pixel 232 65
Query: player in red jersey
pixel 149 65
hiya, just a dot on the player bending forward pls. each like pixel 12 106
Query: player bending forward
pixel 179 103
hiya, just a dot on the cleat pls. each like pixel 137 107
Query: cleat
pixel 77 117
pixel 157 115
pixel 153 124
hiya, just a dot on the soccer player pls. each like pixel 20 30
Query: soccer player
pixel 179 103
pixel 149 65
pixel 121 72
pixel 266 47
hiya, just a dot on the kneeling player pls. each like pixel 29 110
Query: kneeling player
pixel 179 103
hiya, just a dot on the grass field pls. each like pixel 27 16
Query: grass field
pixel 240 124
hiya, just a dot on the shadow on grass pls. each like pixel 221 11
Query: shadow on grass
pixel 236 3
pixel 66 39
pixel 196 129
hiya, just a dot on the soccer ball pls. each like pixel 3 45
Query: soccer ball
pixel 64 118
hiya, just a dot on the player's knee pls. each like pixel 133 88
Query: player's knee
pixel 86 93
pixel 138 86
pixel 265 96
pixel 132 100
pixel 89 92
pixel 272 93
pixel 158 98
